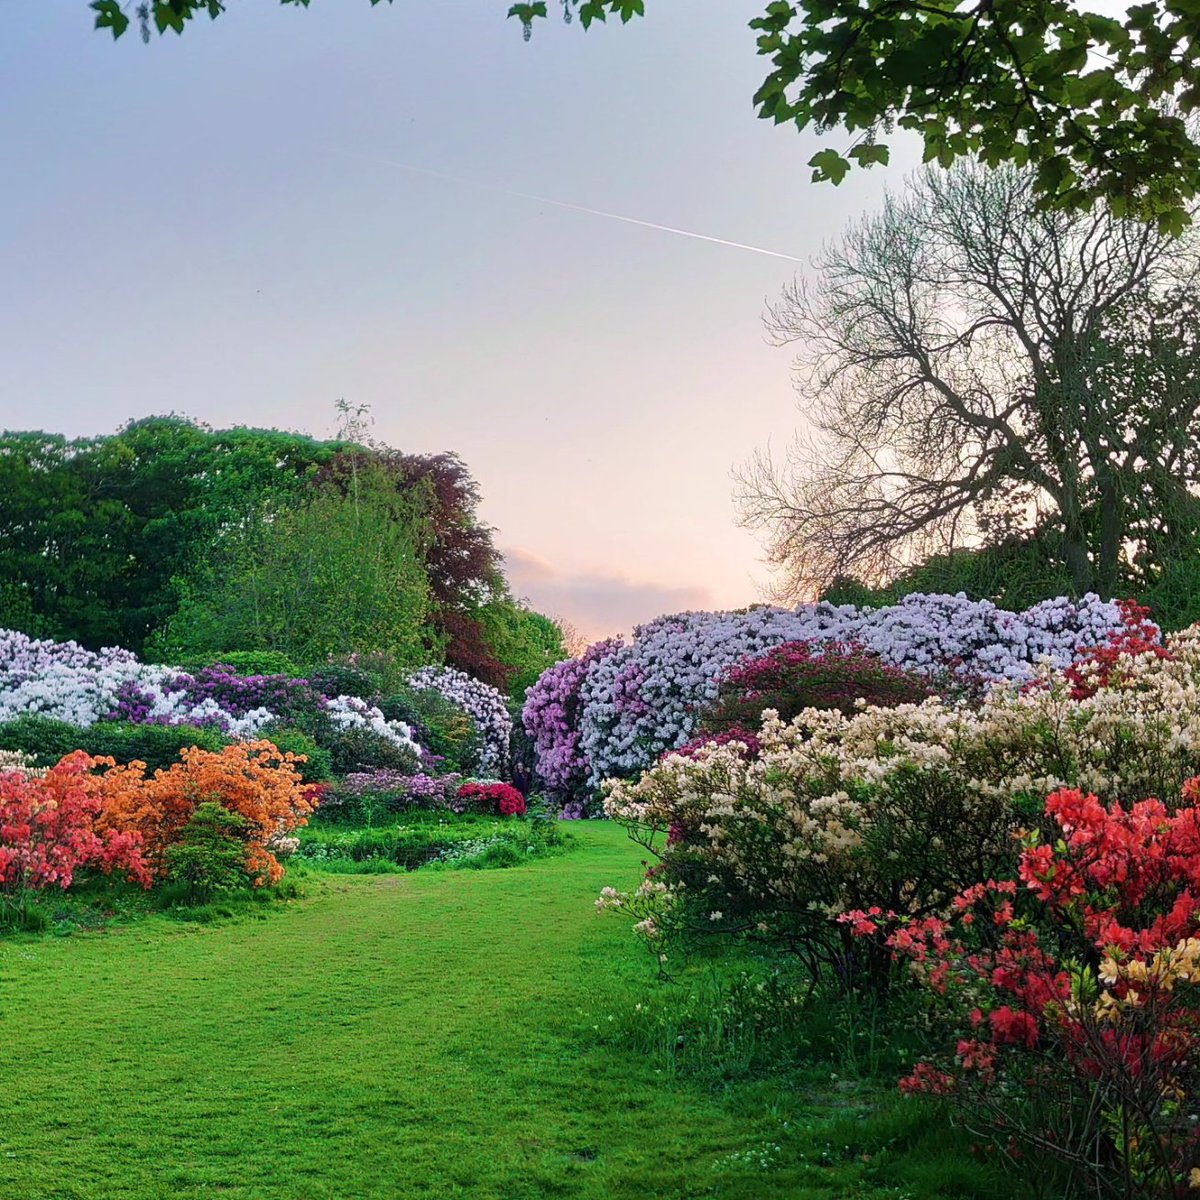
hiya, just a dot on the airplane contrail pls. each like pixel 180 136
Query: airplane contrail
pixel 581 208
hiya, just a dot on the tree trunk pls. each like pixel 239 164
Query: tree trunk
pixel 1109 556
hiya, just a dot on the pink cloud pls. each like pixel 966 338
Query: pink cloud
pixel 596 603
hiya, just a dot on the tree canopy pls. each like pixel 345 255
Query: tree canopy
pixel 172 537
pixel 1097 104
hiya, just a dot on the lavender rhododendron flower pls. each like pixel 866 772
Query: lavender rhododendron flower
pixel 613 712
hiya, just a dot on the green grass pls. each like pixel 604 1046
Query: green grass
pixel 417 838
pixel 434 1034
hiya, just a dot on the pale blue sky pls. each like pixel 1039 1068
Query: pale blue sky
pixel 215 225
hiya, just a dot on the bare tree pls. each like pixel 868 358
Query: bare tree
pixel 972 368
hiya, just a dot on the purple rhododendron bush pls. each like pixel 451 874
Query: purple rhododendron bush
pixel 615 710
pixel 64 682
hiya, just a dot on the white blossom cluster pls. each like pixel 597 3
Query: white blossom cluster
pixel 351 712
pixel 485 705
pixel 60 679
pixel 64 681
pixel 15 760
pixel 803 811
pixel 644 698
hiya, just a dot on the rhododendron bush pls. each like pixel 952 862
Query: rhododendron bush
pixel 799 675
pixel 500 798
pixel 485 705
pixel 1068 994
pixel 899 807
pixel 622 706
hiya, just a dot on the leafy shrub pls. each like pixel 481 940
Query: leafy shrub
pixel 244 662
pixel 45 738
pixel 254 779
pixel 443 727
pixel 342 679
pixel 800 675
pixel 158 746
pixel 314 762
pixel 1070 994
pixel 210 857
pixel 358 748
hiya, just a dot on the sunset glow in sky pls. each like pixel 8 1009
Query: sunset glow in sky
pixel 287 207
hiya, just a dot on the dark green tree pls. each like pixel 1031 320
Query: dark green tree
pixel 94 532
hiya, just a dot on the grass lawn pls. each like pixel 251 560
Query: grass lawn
pixel 418 1035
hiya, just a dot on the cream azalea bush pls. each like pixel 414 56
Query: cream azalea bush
pixel 893 807
pixel 14 760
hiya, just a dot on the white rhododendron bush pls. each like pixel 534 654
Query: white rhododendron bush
pixel 898 808
pixel 66 682
pixel 614 712
pixel 484 704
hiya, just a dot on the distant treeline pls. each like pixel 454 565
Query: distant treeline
pixel 178 541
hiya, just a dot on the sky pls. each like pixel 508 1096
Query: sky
pixel 286 207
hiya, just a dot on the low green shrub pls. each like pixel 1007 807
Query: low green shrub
pixel 210 858
pixel 341 679
pixel 318 766
pixel 46 739
pixel 244 662
pixel 440 725
pixel 158 746
pixel 424 839
pixel 359 748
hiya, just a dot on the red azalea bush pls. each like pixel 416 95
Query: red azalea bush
pixel 50 828
pixel 499 798
pixel 1095 669
pixel 1070 995
pixel 799 675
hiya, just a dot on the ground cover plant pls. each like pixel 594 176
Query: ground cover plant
pixel 419 839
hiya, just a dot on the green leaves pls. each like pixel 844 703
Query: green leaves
pixel 109 16
pixel 1083 97
pixel 830 165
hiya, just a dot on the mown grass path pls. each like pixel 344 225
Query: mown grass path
pixel 422 1035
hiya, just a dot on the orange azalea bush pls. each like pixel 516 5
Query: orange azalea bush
pixel 256 780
